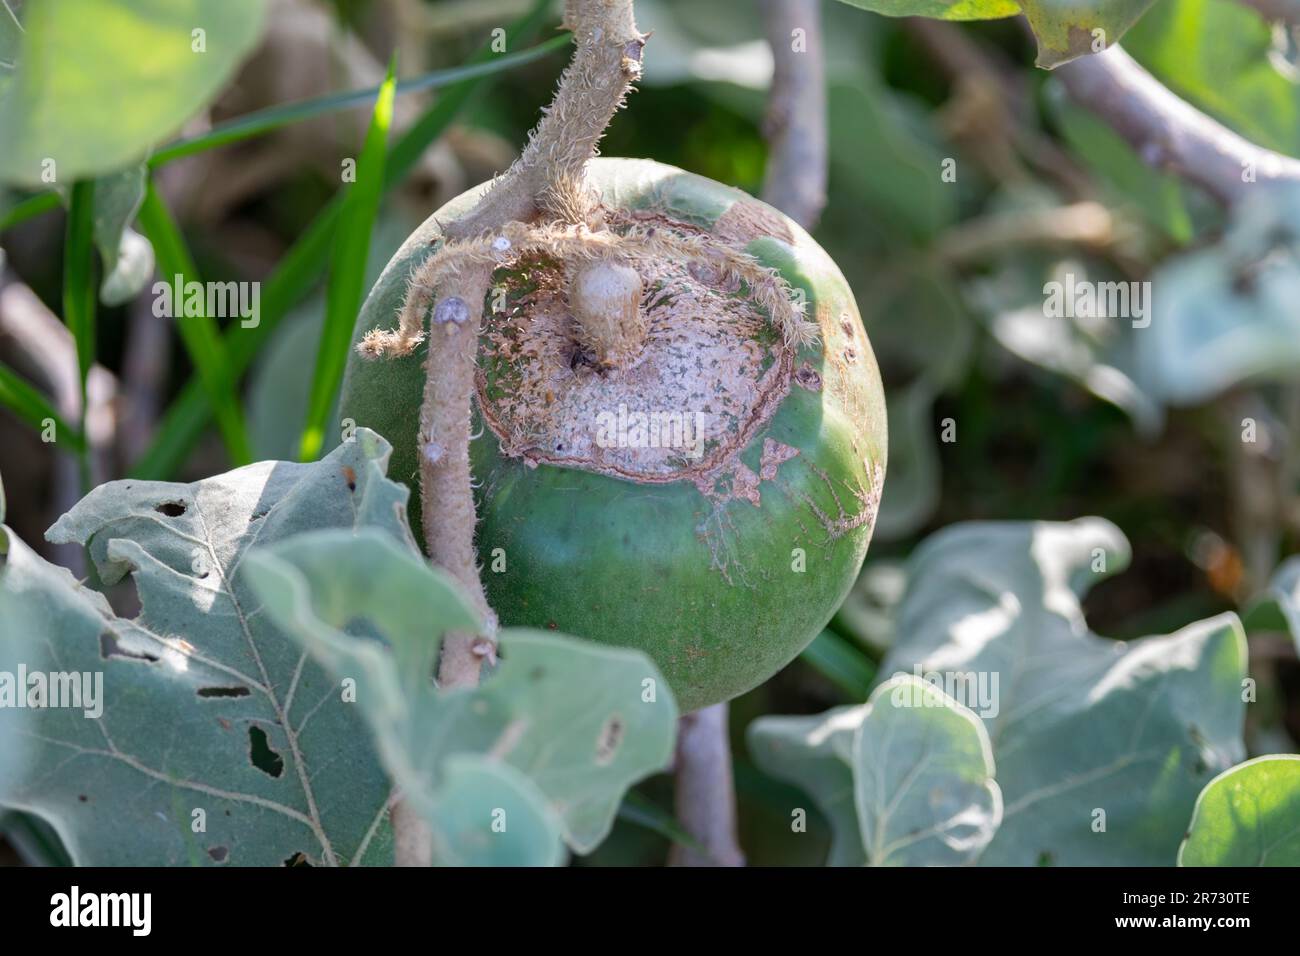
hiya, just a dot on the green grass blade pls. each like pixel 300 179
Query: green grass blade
pixel 272 118
pixel 202 337
pixel 29 208
pixel 347 278
pixel 79 280
pixel 842 664
pixel 24 400
pixel 277 117
pixel 302 265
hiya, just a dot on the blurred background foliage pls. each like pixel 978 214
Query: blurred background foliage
pixel 1052 419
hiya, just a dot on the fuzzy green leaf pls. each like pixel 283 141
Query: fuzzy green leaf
pixel 568 714
pixel 96 83
pixel 816 754
pixel 1101 747
pixel 1247 816
pixel 1066 29
pixel 1225 314
pixel 206 705
pixel 923 778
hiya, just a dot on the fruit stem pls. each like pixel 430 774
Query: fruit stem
pixel 548 176
pixel 446 489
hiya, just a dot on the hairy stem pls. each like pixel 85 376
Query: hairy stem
pixel 445 482
pixel 412 838
pixel 547 176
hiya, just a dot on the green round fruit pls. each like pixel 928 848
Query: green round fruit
pixel 711 502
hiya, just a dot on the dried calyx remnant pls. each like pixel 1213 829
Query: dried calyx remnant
pixel 661 325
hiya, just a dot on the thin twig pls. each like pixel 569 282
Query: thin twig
pixel 1167 132
pixel 795 125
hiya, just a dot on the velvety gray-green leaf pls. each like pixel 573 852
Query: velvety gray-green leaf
pixel 1247 816
pixel 572 716
pixel 1101 747
pixel 127 256
pixel 1226 314
pixel 1279 607
pixel 923 778
pixel 490 814
pixel 816 754
pixel 1097 351
pixel 220 741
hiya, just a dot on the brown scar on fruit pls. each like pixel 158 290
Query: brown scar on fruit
pixel 868 500
pixel 774 453
pixel 807 377
pixel 746 220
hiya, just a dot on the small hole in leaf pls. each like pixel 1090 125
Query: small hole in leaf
pixel 172 509
pixel 223 691
pixel 607 743
pixel 298 859
pixel 109 647
pixel 219 853
pixel 259 751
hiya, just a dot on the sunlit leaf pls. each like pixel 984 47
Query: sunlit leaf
pixel 98 82
pixel 1065 29
pixel 1247 816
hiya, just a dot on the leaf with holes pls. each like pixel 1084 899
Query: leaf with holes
pixel 582 721
pixel 1247 816
pixel 1101 747
pixel 219 740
